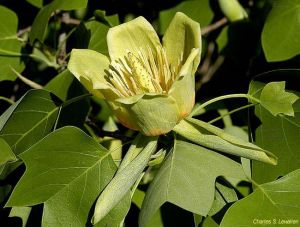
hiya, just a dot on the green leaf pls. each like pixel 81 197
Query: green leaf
pixel 197 219
pixel 10 46
pixel 255 88
pixel 36 3
pixel 4 190
pixel 209 222
pixel 66 171
pixel 29 120
pixel 126 176
pixel 215 138
pixel 67 88
pixel 222 39
pixel 74 111
pixel 40 23
pixel 4 171
pixel 113 145
pixel 274 202
pixel 59 84
pixel 280 135
pixel 21 212
pixel 6 154
pixel 187 179
pixel 7 157
pixel 137 199
pixel 109 21
pixel 223 196
pixel 97 40
pixel 275 99
pixel 98 32
pixel 281 27
pixel 198 10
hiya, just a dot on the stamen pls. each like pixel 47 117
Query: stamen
pixel 125 77
pixel 144 71
pixel 140 73
pixel 115 79
pixel 153 65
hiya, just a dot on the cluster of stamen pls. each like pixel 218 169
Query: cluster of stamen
pixel 142 72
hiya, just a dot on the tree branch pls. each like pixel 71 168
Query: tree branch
pixel 214 26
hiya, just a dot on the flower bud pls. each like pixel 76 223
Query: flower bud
pixel 233 10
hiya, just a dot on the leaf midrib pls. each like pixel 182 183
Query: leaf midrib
pixel 46 117
pixel 85 172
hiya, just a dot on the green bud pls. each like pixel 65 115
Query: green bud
pixel 233 10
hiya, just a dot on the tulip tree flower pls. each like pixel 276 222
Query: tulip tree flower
pixel 149 86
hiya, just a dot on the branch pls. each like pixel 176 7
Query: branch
pixel 68 20
pixel 212 69
pixel 214 26
pixel 206 63
pixel 23 31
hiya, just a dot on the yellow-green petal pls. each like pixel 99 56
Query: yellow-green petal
pixel 183 90
pixel 89 68
pixel 152 115
pixel 123 114
pixel 131 36
pixel 182 35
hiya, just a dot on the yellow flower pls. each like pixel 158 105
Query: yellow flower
pixel 148 85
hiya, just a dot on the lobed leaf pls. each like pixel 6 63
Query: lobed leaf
pixel 281 27
pixel 187 179
pixel 275 202
pixel 66 171
pixel 279 134
pixel 40 23
pixel 29 120
pixel 6 154
pixel 275 99
pixel 21 212
pixel 198 10
pixel 98 32
pixel 10 45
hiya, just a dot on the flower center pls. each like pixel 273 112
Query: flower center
pixel 143 72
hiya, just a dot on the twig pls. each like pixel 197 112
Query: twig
pixel 206 63
pixel 211 71
pixel 62 48
pixel 68 20
pixel 207 69
pixel 27 81
pixel 23 31
pixel 214 26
